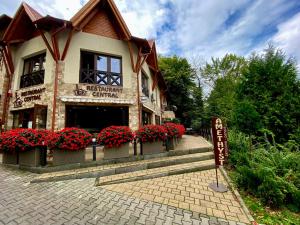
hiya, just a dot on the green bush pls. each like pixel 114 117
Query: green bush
pixel 267 170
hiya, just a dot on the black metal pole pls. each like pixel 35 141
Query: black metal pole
pixel 94 149
pixel 134 147
pixel 217 176
pixel 141 147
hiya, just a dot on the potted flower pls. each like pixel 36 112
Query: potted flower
pixel 38 140
pixel 173 133
pixel 116 141
pixel 152 138
pixel 181 130
pixel 11 143
pixel 69 145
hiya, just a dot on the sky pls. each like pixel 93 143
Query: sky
pixel 198 29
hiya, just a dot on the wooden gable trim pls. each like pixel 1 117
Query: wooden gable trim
pixel 32 14
pixel 87 19
pixel 87 12
pixel 120 19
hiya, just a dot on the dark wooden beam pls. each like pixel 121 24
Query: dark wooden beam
pixel 138 59
pixel 155 81
pixel 71 32
pixel 8 60
pixel 48 45
pixel 131 55
pixel 55 47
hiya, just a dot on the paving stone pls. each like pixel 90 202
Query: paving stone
pixel 80 202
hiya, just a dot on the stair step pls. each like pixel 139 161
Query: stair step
pixel 120 168
pixel 156 172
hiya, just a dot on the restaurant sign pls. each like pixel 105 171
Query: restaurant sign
pixel 28 96
pixel 98 91
pixel 219 135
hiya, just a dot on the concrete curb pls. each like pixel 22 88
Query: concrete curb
pixel 238 196
pixel 132 158
pixel 124 169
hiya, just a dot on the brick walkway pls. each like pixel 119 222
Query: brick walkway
pixel 80 202
pixel 186 191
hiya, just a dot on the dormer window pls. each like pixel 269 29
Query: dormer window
pixel 101 69
pixel 33 71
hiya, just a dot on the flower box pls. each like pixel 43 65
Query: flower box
pixel 116 152
pixel 62 157
pixel 9 158
pixel 31 158
pixel 172 143
pixel 69 145
pixel 152 147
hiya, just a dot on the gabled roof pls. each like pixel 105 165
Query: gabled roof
pixel 31 12
pixel 50 22
pixel 25 15
pixel 4 23
pixel 78 20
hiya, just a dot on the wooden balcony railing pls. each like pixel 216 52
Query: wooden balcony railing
pixel 100 77
pixel 34 78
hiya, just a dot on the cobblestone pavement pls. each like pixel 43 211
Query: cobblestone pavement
pixel 80 202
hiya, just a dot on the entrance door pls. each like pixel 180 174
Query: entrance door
pixel 95 118
pixel 35 118
pixel 23 118
pixel 40 117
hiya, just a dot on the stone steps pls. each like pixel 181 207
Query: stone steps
pixel 156 172
pixel 172 158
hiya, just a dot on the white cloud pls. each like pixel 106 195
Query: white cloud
pixel 288 36
pixel 195 27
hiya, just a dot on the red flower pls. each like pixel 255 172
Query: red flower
pixel 115 136
pixel 72 139
pixel 172 129
pixel 152 133
pixel 23 139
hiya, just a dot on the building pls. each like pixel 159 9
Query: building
pixel 89 72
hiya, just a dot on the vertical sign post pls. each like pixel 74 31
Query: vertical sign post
pixel 219 137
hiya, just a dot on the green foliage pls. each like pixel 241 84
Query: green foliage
pixel 223 75
pixel 269 171
pixel 265 215
pixel 245 118
pixel 229 66
pixel 184 94
pixel 270 85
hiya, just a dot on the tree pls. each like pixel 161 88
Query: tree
pixel 230 65
pixel 223 76
pixel 271 86
pixel 183 92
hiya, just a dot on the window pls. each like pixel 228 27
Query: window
pixel 33 71
pixel 146 117
pixel 157 120
pixel 145 85
pixel 100 69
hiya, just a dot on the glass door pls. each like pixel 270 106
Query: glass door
pixel 40 117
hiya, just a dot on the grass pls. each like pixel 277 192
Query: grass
pixel 265 215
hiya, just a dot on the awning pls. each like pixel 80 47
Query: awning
pixel 96 100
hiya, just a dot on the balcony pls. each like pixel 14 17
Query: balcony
pixel 100 77
pixel 31 79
